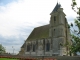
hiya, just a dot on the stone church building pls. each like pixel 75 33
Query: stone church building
pixel 51 39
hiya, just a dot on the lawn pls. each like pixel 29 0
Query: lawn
pixel 7 59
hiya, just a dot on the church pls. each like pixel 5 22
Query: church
pixel 51 39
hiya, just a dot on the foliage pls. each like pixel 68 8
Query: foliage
pixel 2 49
pixel 75 32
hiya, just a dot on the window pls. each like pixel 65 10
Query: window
pixel 54 19
pixel 47 46
pixel 28 48
pixel 36 45
pixel 44 44
pixel 33 47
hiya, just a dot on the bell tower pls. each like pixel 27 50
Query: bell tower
pixel 57 31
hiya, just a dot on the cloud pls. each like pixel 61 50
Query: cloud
pixel 26 14
pixel 8 42
pixel 20 14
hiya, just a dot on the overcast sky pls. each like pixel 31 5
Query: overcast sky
pixel 19 17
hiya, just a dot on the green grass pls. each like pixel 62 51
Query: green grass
pixel 7 59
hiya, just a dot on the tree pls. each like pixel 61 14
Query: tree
pixel 75 33
pixel 2 49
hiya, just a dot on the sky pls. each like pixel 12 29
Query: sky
pixel 19 17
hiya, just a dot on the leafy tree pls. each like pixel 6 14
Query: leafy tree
pixel 2 49
pixel 75 33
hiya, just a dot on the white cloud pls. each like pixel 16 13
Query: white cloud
pixel 28 13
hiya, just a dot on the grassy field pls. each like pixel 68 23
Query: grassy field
pixel 7 59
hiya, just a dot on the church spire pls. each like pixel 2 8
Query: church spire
pixel 56 8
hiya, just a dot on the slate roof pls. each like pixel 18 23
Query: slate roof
pixel 56 8
pixel 39 32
